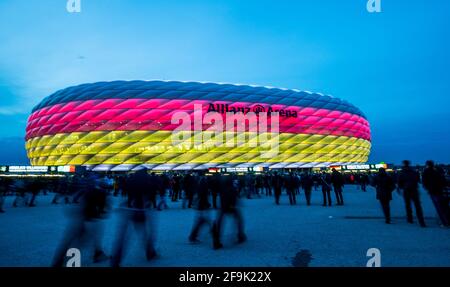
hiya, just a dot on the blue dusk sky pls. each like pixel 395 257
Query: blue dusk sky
pixel 393 65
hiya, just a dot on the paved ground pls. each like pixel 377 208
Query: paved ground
pixel 277 235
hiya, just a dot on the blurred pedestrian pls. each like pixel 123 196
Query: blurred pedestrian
pixel 62 189
pixel 307 185
pixel 363 181
pixel 190 186
pixel 164 190
pixel 85 218
pixel 434 182
pixel 277 183
pixel 4 187
pixel 176 187
pixel 291 187
pixel 228 206
pixel 140 188
pixel 202 205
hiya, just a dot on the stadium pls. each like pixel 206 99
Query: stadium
pixel 123 125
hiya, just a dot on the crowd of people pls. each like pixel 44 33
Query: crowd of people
pixel 145 192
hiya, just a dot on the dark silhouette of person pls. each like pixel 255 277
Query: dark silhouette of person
pixel 316 180
pixel 384 185
pixel 307 185
pixel 19 187
pixel 61 189
pixel 338 182
pixel 202 207
pixel 408 182
pixel 34 186
pixel 291 187
pixel 165 187
pixel 140 188
pixel 190 186
pixel 267 184
pixel 277 183
pixel 4 187
pixel 434 181
pixel 89 212
pixel 176 187
pixel 228 206
pixel 363 181
pixel 325 181
pixel 214 183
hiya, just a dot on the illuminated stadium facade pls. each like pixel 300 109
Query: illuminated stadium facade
pixel 123 125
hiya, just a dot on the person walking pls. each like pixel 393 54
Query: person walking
pixel 408 182
pixel 86 216
pixel 4 186
pixel 202 207
pixel 384 185
pixel 140 187
pixel 228 206
pixel 338 182
pixel 433 180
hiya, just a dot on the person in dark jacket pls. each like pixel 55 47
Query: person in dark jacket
pixel 140 188
pixel 34 186
pixel 87 214
pixel 307 185
pixel 202 207
pixel 165 188
pixel 277 183
pixel 214 184
pixel 363 181
pixel 291 186
pixel 384 185
pixel 190 186
pixel 267 184
pixel 338 182
pixel 4 187
pixel 228 206
pixel 325 181
pixel 176 187
pixel 408 182
pixel 434 182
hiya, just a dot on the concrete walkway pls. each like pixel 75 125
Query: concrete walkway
pixel 277 235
